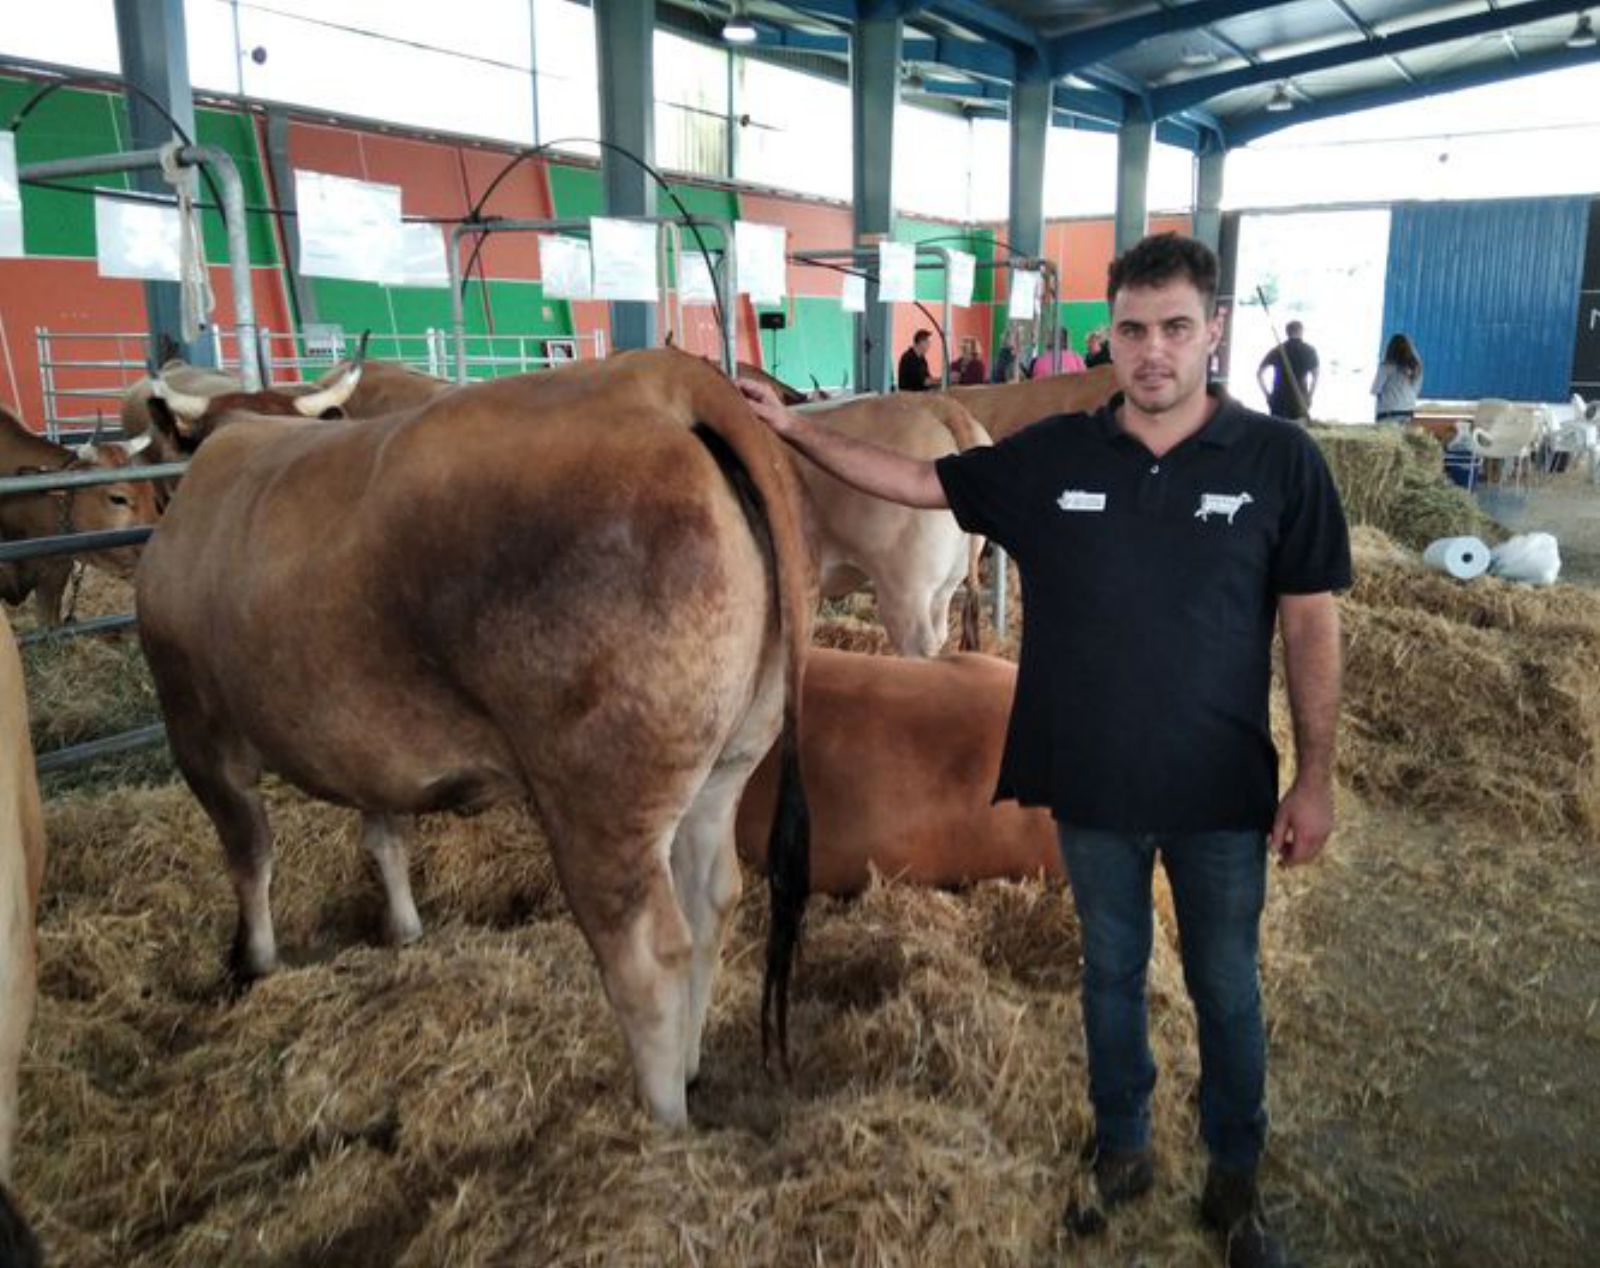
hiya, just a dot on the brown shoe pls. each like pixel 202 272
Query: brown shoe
pixel 1118 1177
pixel 1231 1207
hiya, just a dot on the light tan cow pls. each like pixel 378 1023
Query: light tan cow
pixel 901 758
pixel 21 870
pixel 1005 407
pixel 586 588
pixel 91 509
pixel 914 559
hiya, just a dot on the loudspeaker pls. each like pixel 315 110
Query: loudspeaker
pixel 773 321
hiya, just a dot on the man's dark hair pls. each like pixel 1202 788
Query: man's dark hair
pixel 921 335
pixel 1294 329
pixel 1162 257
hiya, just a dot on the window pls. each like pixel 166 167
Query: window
pixel 794 130
pixel 691 96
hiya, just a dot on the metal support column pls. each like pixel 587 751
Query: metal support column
pixel 1030 125
pixel 1208 196
pixel 874 94
pixel 282 169
pixel 1133 178
pixel 155 58
pixel 625 31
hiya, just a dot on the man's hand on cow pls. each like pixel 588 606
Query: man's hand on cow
pixel 1304 822
pixel 766 406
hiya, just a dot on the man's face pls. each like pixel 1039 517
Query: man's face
pixel 1161 342
pixel 923 344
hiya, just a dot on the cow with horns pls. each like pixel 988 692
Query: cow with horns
pixel 586 588
pixel 91 508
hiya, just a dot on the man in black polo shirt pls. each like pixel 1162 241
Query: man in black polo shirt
pixel 1159 541
pixel 914 374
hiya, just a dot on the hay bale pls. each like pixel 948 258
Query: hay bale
pixel 1393 479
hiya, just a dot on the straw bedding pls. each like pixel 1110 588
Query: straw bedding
pixel 467 1101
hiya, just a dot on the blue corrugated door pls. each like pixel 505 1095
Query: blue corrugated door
pixel 1488 292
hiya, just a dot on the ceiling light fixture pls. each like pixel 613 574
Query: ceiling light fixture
pixel 738 29
pixel 1280 100
pixel 1583 34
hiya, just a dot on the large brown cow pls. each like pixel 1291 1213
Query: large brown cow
pixel 901 758
pixel 586 588
pixel 1005 407
pixel 21 870
pixel 91 509
pixel 914 559
pixel 388 386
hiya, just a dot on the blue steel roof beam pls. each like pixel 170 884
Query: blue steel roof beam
pixel 1509 37
pixel 1369 32
pixel 977 17
pixel 978 89
pixel 844 11
pixel 1108 107
pixel 1077 49
pixel 1253 127
pixel 1227 42
pixel 1192 92
pixel 992 61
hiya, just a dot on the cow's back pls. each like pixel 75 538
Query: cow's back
pixel 1007 407
pixel 21 869
pixel 901 758
pixel 521 547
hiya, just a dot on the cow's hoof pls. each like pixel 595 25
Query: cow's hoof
pixel 404 934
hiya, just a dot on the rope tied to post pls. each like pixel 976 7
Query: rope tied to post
pixel 195 282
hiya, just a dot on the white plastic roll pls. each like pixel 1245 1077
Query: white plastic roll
pixel 1462 557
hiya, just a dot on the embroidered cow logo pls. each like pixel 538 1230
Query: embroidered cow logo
pixel 1228 504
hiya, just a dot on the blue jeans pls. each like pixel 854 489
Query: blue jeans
pixel 1219 884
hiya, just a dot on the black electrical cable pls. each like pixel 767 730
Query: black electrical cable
pixel 89 81
pixel 475 216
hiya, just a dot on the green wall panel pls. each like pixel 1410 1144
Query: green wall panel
pixel 67 124
pixel 236 134
pixel 575 191
pixel 1082 316
pixel 930 281
pixel 817 342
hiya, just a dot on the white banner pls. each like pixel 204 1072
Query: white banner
pixel 349 228
pixel 695 283
pixel 897 272
pixel 1024 303
pixel 10 198
pixel 963 271
pixel 624 254
pixel 564 268
pixel 422 261
pixel 854 296
pixel 137 240
pixel 759 254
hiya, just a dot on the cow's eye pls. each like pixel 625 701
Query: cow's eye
pixel 120 499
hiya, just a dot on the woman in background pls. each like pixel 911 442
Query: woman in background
pixel 1398 381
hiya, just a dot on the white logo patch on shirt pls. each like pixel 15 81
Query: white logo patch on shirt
pixel 1229 504
pixel 1081 500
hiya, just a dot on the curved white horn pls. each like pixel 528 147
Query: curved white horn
pixel 137 445
pixel 184 404
pixel 315 404
pixel 85 452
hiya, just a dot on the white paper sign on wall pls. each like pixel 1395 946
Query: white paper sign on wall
pixel 349 228
pixel 137 240
pixel 624 253
pixel 10 199
pixel 897 272
pixel 963 271
pixel 422 260
pixel 759 254
pixel 564 267
pixel 854 296
pixel 695 283
pixel 1024 301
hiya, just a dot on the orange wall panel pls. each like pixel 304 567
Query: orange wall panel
pixel 812 227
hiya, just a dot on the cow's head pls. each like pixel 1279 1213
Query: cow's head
pixel 101 508
pixel 185 419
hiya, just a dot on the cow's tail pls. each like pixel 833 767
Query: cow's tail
pixel 776 492
pixel 18 1246
pixel 968 433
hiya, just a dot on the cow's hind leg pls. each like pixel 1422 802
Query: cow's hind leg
pixel 224 782
pixel 387 839
pixel 908 621
pixel 705 872
pixel 628 911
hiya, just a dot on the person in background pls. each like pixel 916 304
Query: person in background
pixel 914 375
pixel 1066 361
pixel 968 368
pixel 1099 350
pixel 1398 381
pixel 1294 367
pixel 1007 367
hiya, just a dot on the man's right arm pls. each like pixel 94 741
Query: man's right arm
pixel 872 469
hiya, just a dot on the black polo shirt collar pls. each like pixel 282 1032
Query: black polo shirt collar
pixel 1222 429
